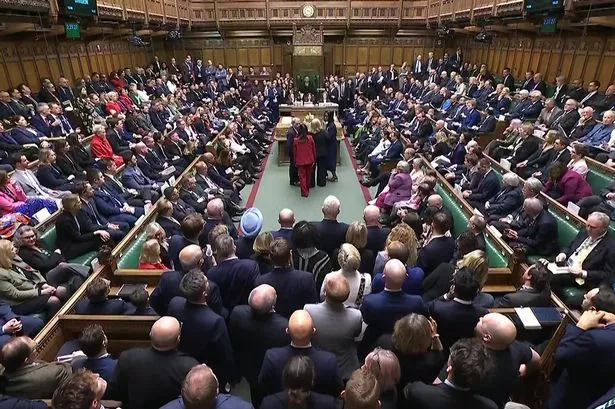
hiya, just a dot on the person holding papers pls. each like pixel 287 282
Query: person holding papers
pixel 590 258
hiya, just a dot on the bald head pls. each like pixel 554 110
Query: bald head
pixel 337 289
pixel 286 218
pixel 215 208
pixel 371 215
pixel 394 275
pixel 262 299
pixel 200 388
pixel 165 334
pixel 496 331
pixel 191 257
pixel 435 201
pixel 300 327
pixel 209 157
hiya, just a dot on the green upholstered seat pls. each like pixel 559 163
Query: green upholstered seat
pixel 49 237
pixel 550 91
pixel 572 296
pixel 566 230
pixel 497 258
pixel 88 148
pixel 130 258
pixel 598 180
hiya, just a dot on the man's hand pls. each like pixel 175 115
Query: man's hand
pixel 511 234
pixel 522 164
pixel 104 235
pixel 577 271
pixel 47 290
pixel 610 196
pixel 466 193
pixel 113 226
pixel 590 319
pixel 12 326
pixel 560 257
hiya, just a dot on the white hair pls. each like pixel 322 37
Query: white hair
pixel 511 179
pixel 536 94
pixel 524 93
pixel 331 204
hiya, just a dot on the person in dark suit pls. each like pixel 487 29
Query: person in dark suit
pixel 584 357
pixel 332 233
pixel 75 234
pixel 299 374
pixel 469 363
pixel 133 178
pixel 540 236
pixel 255 328
pixel 291 134
pixel 165 218
pixel 381 310
pixel 569 117
pixel 98 301
pixel 191 258
pixel 147 378
pixel 111 205
pixel 598 265
pixel 215 216
pixel 376 235
pixel 93 343
pixel 286 219
pixel 234 276
pixel 49 175
pixel 507 79
pixel 534 291
pixel 300 329
pixel 294 288
pixel 11 325
pixel 455 313
pixel 527 145
pixel 507 200
pixel 440 247
pixel 488 186
pixel 116 230
pixel 203 334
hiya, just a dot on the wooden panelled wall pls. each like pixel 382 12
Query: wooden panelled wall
pixel 587 58
pixel 29 62
pixel 341 58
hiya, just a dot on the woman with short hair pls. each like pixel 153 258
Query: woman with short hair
pixel 150 258
pixel 261 252
pixel 384 365
pixel 399 187
pixel 360 284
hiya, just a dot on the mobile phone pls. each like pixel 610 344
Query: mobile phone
pixel 20 332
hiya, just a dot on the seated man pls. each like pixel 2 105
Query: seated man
pixel 117 230
pixel 487 188
pixel 12 325
pixel 540 235
pixel 590 256
pixel 139 298
pixel 602 136
pixel 180 208
pixel 98 301
pixel 110 205
pixel 114 185
pixel 93 343
pixel 24 376
pixel 133 178
pixel 534 291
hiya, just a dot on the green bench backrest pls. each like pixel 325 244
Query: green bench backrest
pixel 130 258
pixel 88 148
pixel 49 237
pixel 566 231
pixel 497 257
pixel 598 180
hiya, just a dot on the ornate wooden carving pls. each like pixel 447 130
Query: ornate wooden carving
pixel 308 35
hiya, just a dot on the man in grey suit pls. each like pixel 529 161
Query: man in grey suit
pixel 548 115
pixel 28 182
pixel 337 326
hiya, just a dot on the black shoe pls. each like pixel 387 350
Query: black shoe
pixel 366 182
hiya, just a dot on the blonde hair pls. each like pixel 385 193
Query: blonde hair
pixel 349 258
pixel 163 206
pixel 357 234
pixel 150 252
pixel 404 234
pixel 315 125
pixel 441 137
pixel 262 243
pixel 412 334
pixel 6 254
pixel 551 136
pixel 476 261
pixel 384 365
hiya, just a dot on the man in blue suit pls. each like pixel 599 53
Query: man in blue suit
pixel 585 358
pixel 133 178
pixel 393 152
pixel 332 234
pixel 381 311
pixel 376 235
pixel 113 207
pixel 10 324
pixel 93 343
pixel 286 219
pixel 44 122
pixel 472 116
pixel 234 276
pixel 488 187
pixel 203 335
pixel 190 227
pixel 291 134
pixel 190 258
pixel 294 288
pixel 98 301
pixel 117 230
pixel 301 329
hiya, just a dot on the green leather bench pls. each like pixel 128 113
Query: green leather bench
pixel 497 259
pixel 598 180
pixel 130 258
pixel 49 237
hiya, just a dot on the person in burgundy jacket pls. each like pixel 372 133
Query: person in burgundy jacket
pixel 565 185
pixel 304 151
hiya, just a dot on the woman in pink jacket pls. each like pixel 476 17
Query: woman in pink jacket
pixel 565 185
pixel 399 187
pixel 14 200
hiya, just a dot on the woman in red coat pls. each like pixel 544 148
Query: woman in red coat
pixel 304 151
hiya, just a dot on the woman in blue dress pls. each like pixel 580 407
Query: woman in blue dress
pixel 331 146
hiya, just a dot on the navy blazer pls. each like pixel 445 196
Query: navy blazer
pixel 285 233
pixel 108 203
pixel 420 395
pixel 218 177
pixel 503 105
pixel 394 152
pixel 168 288
pixel 24 136
pixel 235 277
pixel 169 226
pixel 110 306
pixel 472 118
pixel 376 237
pixel 252 334
pixel 104 366
pixel 133 179
pixel 40 124
pixel 584 361
pixel 294 288
pixel 327 379
pixel 437 250
pixel 9 402
pixel 455 320
pixel 382 310
pixel 540 236
pixel 315 401
pixel 486 189
pixel 204 337
pixel 51 177
pixel 505 201
pixel 600 262
pixel 332 234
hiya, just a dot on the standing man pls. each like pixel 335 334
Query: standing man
pixel 291 134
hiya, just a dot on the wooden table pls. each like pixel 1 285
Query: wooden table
pixel 300 111
pixel 280 137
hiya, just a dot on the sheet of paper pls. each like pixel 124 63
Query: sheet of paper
pixel 552 267
pixel 42 215
pixel 505 163
pixel 168 170
pixel 573 208
pixel 527 317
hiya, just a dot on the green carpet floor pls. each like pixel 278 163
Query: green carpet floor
pixel 275 193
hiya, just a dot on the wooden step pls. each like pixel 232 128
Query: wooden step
pixel 499 288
